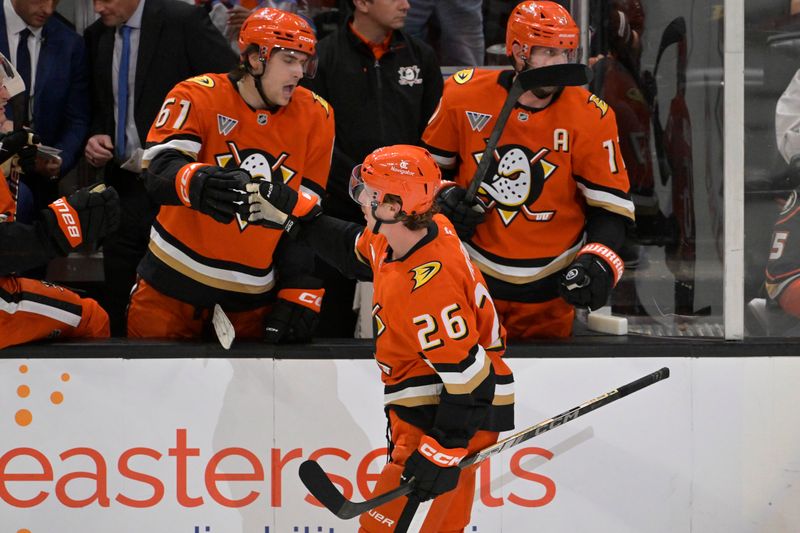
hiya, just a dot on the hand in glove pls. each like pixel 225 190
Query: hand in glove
pixel 588 281
pixel 13 142
pixel 295 315
pixel 276 205
pixel 434 468
pixel 464 216
pixel 218 192
pixel 87 215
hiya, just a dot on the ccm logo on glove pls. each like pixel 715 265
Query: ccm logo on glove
pixel 307 298
pixel 443 457
pixel 182 184
pixel 68 221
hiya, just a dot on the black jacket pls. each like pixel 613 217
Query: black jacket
pixel 376 103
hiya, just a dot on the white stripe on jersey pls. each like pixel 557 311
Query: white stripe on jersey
pixel 602 197
pixel 191 148
pixel 413 392
pixel 523 274
pixel 262 283
pixel 38 308
pixel 463 377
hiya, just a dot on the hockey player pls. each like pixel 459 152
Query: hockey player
pixel 553 210
pixel 439 342
pixel 212 131
pixel 30 309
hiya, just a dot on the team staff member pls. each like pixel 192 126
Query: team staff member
pixel 384 85
pixel 438 339
pixel 556 196
pixel 214 130
pixel 30 309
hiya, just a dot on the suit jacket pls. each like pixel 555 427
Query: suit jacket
pixel 61 100
pixel 177 41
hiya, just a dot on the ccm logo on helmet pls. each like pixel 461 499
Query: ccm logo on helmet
pixel 440 458
pixel 65 212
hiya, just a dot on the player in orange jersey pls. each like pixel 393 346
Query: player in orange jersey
pixel 439 342
pixel 553 209
pixel 214 131
pixel 30 309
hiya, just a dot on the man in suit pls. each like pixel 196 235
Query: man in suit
pixel 51 58
pixel 139 50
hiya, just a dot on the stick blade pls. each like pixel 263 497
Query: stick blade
pixel 321 487
pixel 568 74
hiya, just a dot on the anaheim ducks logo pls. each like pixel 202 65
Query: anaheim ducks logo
pixel 261 166
pixel 463 76
pixel 324 103
pixel 205 81
pixel 424 273
pixel 516 178
pixel 600 104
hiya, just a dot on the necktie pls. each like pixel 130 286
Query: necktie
pixel 122 91
pixel 24 68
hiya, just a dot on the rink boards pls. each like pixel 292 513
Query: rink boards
pixel 213 446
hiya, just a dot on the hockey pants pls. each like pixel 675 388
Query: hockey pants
pixel 31 310
pixel 545 320
pixel 449 512
pixel 152 314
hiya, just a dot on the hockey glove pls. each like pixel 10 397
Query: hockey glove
pixel 215 191
pixel 87 215
pixel 434 468
pixel 12 143
pixel 588 281
pixel 276 205
pixel 295 315
pixel 464 216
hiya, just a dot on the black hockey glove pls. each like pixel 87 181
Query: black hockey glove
pixel 434 468
pixel 464 216
pixel 12 143
pixel 295 314
pixel 87 215
pixel 215 191
pixel 588 281
pixel 276 205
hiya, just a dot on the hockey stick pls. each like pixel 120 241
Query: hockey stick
pixel 322 488
pixel 553 76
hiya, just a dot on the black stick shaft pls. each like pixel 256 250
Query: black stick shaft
pixel 317 482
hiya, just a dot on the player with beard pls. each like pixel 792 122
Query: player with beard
pixel 214 131
pixel 552 213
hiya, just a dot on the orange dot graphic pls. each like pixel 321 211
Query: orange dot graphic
pixel 24 531
pixel 23 417
pixel 56 397
pixel 23 369
pixel 23 391
pixel 65 377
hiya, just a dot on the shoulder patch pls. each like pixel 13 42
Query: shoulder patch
pixel 324 103
pixel 600 104
pixel 424 273
pixel 790 203
pixel 204 81
pixel 463 76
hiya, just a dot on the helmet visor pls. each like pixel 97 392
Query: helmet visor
pixel 309 63
pixel 360 192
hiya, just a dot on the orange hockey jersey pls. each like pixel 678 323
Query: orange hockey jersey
pixel 191 256
pixel 548 166
pixel 435 324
